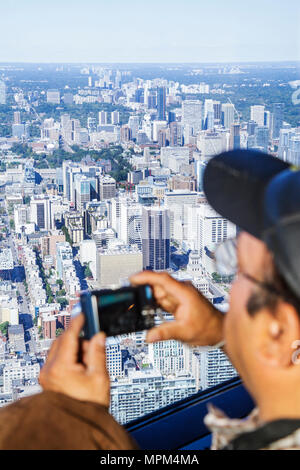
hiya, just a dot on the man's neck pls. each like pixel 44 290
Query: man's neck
pixel 279 402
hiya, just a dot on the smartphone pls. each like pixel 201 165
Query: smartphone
pixel 117 312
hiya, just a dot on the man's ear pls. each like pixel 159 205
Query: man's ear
pixel 278 331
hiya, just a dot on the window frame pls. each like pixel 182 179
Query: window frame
pixel 181 424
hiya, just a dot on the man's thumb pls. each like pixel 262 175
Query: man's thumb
pixel 96 357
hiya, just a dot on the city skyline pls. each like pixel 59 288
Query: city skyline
pixel 160 32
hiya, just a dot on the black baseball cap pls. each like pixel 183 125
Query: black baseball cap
pixel 261 195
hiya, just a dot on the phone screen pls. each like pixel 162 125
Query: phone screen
pixel 120 312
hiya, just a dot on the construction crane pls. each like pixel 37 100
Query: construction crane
pixel 236 112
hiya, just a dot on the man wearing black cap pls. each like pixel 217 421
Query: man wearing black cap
pixel 261 195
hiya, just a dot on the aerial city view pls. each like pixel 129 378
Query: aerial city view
pixel 101 177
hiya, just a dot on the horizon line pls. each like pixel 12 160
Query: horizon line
pixel 153 63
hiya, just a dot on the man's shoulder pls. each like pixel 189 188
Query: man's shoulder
pixel 44 421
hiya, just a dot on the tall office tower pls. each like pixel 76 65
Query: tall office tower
pixel 69 170
pixel 40 212
pixel 114 360
pixel 284 143
pixel 228 111
pixel 125 134
pixel 211 143
pixel 161 103
pixel 133 124
pixel 262 138
pixel 176 201
pixel 294 150
pixel 215 368
pixel 17 117
pixel 2 92
pixel 192 115
pixel 75 131
pixel 209 114
pixel 169 357
pixel 53 96
pixel 114 214
pixel 130 222
pixel 151 99
pixel 199 170
pixel 268 119
pixel 251 126
pixel 235 136
pixel 211 230
pixel 71 129
pixel 85 191
pixel 102 118
pixel 176 137
pixel 258 114
pixel 156 238
pixel 107 187
pixel 90 81
pixel 65 125
pixel 115 118
pixel 277 119
pixel 217 111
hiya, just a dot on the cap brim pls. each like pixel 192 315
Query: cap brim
pixel 234 184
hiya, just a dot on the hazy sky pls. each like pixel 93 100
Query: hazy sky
pixel 149 31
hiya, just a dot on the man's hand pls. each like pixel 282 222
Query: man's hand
pixel 196 322
pixel 86 381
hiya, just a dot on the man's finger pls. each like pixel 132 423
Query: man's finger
pixel 69 341
pixel 53 349
pixel 164 280
pixel 95 357
pixel 166 331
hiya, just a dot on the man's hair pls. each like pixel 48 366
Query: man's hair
pixel 265 298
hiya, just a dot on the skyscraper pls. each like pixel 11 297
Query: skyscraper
pixel 85 190
pixel 156 238
pixel 102 118
pixel 40 211
pixel 161 103
pixel 175 134
pixel 115 117
pixel 258 114
pixel 277 119
pixel 262 137
pixel 227 115
pixel 192 115
pixel 235 138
